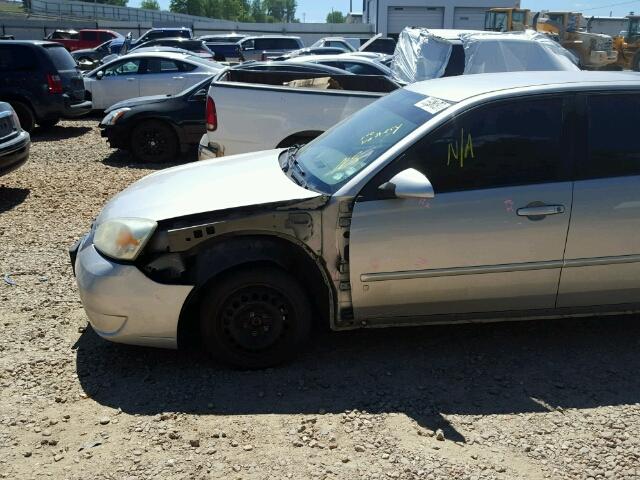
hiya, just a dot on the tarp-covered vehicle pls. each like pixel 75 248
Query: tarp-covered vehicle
pixel 423 54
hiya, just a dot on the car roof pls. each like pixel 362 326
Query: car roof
pixel 167 29
pixel 176 55
pixel 31 42
pixel 454 34
pixel 335 58
pixel 175 39
pixel 459 88
pixel 255 37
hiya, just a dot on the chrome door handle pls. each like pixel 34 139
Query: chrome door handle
pixel 540 211
pixel 178 78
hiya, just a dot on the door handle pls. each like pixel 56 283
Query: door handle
pixel 178 78
pixel 540 210
pixel 130 79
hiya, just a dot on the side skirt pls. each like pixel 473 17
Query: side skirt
pixel 503 316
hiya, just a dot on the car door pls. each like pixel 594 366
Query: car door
pixel 602 260
pixel 120 81
pixel 492 238
pixel 163 76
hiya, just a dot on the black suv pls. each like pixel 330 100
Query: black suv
pixel 41 82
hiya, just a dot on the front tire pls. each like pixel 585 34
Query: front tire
pixel 255 318
pixel 153 141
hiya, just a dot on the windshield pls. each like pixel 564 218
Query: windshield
pixel 496 21
pixel 634 27
pixel 336 156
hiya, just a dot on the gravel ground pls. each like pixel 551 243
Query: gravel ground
pixel 552 399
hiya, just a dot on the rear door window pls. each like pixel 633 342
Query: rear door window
pixel 90 36
pixel 161 65
pixel 16 58
pixel 61 59
pixel 613 142
pixel 516 142
pixel 104 36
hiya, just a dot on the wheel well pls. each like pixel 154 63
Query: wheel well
pixel 258 250
pixel 305 137
pixel 16 98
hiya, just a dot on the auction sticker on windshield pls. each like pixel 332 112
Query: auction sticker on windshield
pixel 432 104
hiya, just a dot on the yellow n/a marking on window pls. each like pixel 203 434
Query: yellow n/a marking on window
pixel 462 150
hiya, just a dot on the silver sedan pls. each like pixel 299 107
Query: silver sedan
pixel 471 198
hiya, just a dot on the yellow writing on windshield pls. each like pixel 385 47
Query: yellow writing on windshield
pixel 376 134
pixel 460 151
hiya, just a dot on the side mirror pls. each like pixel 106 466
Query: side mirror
pixel 409 183
pixel 200 95
pixel 99 75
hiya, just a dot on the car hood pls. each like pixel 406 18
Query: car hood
pixel 199 187
pixel 134 102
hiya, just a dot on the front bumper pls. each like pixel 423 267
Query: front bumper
pixel 123 305
pixel 207 151
pixel 116 135
pixel 14 153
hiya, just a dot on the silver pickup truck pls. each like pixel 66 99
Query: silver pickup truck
pixel 248 111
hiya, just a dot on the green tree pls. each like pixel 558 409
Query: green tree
pixel 150 4
pixel 258 11
pixel 335 17
pixel 212 8
pixel 190 7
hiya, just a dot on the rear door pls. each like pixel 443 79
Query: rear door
pixel 18 71
pixel 163 76
pixel 602 260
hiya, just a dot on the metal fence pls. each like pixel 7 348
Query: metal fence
pixel 56 8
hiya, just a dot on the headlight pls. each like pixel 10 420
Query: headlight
pixel 123 238
pixel 114 116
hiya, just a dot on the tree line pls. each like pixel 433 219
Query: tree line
pixel 262 11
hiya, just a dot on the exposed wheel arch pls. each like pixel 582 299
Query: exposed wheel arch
pixel 223 256
pixel 299 138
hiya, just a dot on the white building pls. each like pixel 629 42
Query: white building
pixel 389 17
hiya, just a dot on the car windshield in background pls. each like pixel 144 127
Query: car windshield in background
pixel 340 153
pixel 60 57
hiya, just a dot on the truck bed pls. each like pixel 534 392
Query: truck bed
pixel 256 111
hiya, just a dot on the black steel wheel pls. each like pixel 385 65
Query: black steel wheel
pixel 255 318
pixel 153 141
pixel 25 115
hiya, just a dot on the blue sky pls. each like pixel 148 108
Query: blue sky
pixel 316 10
